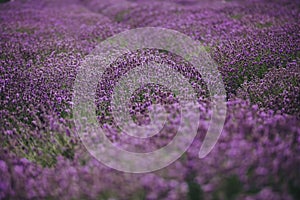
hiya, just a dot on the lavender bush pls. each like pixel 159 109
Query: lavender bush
pixel 256 46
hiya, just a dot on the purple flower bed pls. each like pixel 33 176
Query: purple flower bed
pixel 256 45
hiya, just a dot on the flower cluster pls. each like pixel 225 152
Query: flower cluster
pixel 268 92
pixel 255 157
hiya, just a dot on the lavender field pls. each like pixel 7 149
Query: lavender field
pixel 256 45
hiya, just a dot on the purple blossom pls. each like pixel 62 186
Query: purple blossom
pixel 256 45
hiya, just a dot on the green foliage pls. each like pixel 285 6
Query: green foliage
pixel 229 189
pixel 3 1
pixel 237 16
pixel 264 25
pixel 232 186
pixel 25 30
pixel 294 190
pixel 195 191
pixel 119 17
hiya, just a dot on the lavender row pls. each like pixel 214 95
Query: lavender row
pixel 255 158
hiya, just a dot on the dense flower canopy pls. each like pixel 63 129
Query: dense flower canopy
pixel 256 45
